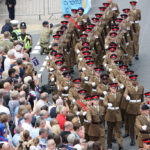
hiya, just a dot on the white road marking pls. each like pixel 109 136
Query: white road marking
pixel 35 52
pixel 42 69
pixel 44 63
pixel 39 75
pixel 37 47
pixel 47 58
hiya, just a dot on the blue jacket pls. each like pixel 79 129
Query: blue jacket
pixel 6 27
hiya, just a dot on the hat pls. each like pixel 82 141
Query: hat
pixel 14 22
pixel 67 16
pixel 84 35
pixel 66 74
pixel 85 48
pixel 113 85
pixel 145 107
pixel 23 25
pixel 115 28
pixel 112 49
pixel 113 56
pixel 63 27
pixel 146 141
pixel 63 69
pixel 54 44
pixel 129 72
pixel 118 62
pixel 104 76
pixel 113 34
pixel 123 67
pixel 100 69
pixel 53 53
pixel 118 20
pixel 58 55
pixel 82 92
pixel 133 77
pixel 113 44
pixel 147 94
pixel 64 22
pixel 60 32
pixel 86 53
pixel 56 36
pixel 90 63
pixel 85 44
pixel 124 16
pixel 87 58
pixel 88 30
pixel 2 129
pixel 133 3
pixel 81 8
pixel 94 19
pixel 74 10
pixel 106 4
pixel 95 97
pixel 71 138
pixel 90 25
pixel 126 10
pixel 45 23
pixel 88 98
pixel 59 62
pixel 102 8
pixel 77 81
pixel 98 15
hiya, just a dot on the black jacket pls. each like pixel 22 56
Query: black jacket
pixel 11 2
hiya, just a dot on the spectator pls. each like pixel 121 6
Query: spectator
pixel 3 57
pixel 7 88
pixel 18 52
pixel 56 129
pixel 70 139
pixel 7 27
pixel 3 135
pixel 51 145
pixel 6 41
pixel 62 116
pixel 16 137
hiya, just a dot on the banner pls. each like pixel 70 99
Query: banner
pixel 67 5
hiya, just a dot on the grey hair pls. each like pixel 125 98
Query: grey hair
pixel 10 53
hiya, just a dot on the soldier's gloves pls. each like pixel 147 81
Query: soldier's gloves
pixel 105 65
pixel 84 113
pixel 73 101
pixel 109 104
pixel 110 69
pixel 83 69
pixel 104 92
pixel 106 47
pixel 52 79
pixel 80 59
pixel 114 8
pixel 128 98
pixel 77 113
pixel 144 127
pixel 93 83
pixel 127 43
pixel 113 79
pixel 51 69
pixel 78 51
pixel 121 86
pixel 104 56
pixel 86 78
pixel 66 87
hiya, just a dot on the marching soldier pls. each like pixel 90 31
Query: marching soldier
pixel 146 144
pixel 95 115
pixel 134 95
pixel 136 13
pixel 113 115
pixel 142 124
pixel 45 34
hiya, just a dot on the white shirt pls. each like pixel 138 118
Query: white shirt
pixel 18 55
pixel 4 109
pixel 7 63
pixel 27 126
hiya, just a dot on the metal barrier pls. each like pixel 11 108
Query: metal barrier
pixel 25 8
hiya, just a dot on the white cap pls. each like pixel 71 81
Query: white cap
pixel 14 22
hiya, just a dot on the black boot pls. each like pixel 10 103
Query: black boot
pixel 132 143
pixel 113 139
pixel 120 148
pixel 125 135
pixel 137 57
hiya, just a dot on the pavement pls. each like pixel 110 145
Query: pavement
pixel 141 67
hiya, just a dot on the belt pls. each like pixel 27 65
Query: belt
pixel 85 120
pixel 86 82
pixel 101 98
pixel 93 90
pixel 63 94
pixel 135 101
pixel 96 122
pixel 113 108
pixel 137 21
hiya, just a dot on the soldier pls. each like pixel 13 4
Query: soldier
pixel 16 31
pixel 25 37
pixel 147 98
pixel 142 124
pixel 45 34
pixel 134 95
pixel 136 13
pixel 146 144
pixel 113 115
pixel 95 116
